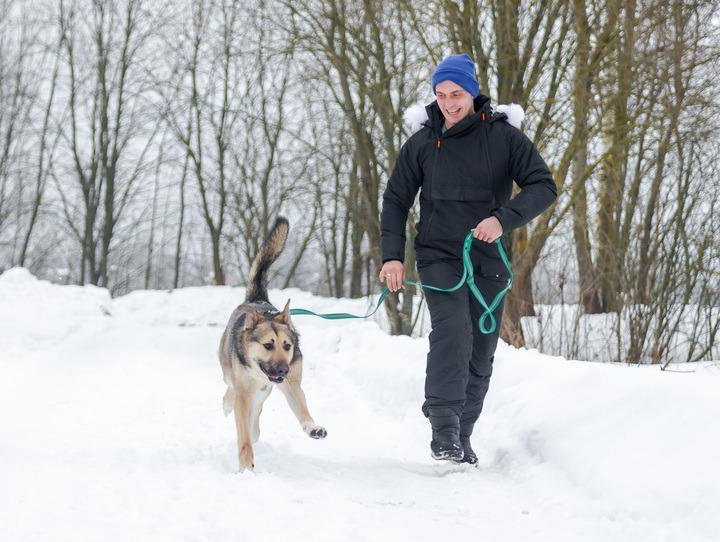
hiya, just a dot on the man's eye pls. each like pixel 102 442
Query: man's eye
pixel 269 346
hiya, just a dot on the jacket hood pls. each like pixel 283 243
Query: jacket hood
pixel 418 115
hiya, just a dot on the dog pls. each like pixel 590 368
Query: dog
pixel 260 350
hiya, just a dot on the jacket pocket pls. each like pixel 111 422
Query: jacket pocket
pixel 488 262
pixel 464 190
pixel 457 208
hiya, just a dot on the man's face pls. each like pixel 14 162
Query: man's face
pixel 455 102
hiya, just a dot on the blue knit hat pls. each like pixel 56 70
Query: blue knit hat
pixel 460 69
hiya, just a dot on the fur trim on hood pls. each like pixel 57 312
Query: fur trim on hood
pixel 514 112
pixel 416 115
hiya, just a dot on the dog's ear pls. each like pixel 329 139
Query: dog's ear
pixel 252 317
pixel 284 316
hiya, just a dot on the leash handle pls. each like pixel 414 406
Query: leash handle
pixel 468 278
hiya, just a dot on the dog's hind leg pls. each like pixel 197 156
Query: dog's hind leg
pixel 256 426
pixel 228 400
pixel 296 399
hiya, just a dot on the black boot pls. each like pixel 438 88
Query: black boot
pixel 469 455
pixel 466 429
pixel 445 442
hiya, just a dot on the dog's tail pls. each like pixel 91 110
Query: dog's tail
pixel 269 251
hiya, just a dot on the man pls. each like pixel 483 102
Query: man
pixel 463 160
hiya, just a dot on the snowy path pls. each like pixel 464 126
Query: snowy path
pixel 111 427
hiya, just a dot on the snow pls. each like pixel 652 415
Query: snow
pixel 111 428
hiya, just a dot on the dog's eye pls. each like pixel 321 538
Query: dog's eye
pixel 269 346
pixel 287 347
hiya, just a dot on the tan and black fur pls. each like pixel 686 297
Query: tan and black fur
pixel 259 350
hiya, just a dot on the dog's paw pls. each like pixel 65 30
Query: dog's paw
pixel 246 472
pixel 317 432
pixel 246 468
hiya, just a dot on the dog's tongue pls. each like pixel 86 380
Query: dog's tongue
pixel 275 378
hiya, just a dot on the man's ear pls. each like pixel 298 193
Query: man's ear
pixel 284 316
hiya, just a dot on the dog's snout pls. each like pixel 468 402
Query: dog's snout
pixel 275 372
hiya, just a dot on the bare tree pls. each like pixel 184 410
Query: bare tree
pixel 47 145
pixel 105 87
pixel 363 58
pixel 297 108
pixel 270 167
pixel 16 104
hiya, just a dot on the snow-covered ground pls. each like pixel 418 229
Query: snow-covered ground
pixel 111 428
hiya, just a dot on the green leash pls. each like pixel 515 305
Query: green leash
pixel 467 278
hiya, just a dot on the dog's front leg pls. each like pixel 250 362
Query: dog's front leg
pixel 242 407
pixel 256 410
pixel 296 399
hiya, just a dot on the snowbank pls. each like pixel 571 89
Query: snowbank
pixel 111 427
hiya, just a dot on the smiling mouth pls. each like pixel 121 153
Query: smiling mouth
pixel 275 378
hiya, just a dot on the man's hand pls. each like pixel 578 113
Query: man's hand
pixel 393 274
pixel 488 230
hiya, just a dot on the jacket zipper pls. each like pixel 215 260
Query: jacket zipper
pixel 438 144
pixel 486 144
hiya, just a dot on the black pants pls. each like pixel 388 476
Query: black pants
pixel 460 360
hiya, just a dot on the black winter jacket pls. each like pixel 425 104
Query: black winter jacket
pixel 464 175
